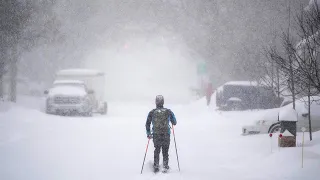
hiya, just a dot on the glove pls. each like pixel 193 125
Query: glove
pixel 149 136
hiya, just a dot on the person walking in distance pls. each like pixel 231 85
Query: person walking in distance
pixel 160 119
pixel 209 93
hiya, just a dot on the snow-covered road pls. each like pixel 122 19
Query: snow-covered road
pixel 37 146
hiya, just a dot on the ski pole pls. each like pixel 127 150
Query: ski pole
pixel 145 155
pixel 174 137
pixel 302 147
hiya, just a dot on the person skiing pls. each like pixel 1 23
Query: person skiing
pixel 160 118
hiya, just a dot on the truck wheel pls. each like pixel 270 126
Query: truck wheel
pixel 105 108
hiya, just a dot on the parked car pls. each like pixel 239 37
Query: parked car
pixel 77 90
pixel 270 122
pixel 68 96
pixel 248 95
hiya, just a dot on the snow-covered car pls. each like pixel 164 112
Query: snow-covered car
pixel 269 122
pixel 68 96
pixel 79 86
pixel 260 127
pixel 245 95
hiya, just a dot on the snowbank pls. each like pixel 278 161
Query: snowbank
pixel 28 102
pixel 4 106
pixel 213 101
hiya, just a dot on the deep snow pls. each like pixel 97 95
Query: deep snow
pixel 37 146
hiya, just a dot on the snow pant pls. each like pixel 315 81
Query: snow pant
pixel 161 142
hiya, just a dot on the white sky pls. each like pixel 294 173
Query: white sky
pixel 144 70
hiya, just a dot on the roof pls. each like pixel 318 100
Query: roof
pixel 312 3
pixel 310 39
pixel 68 82
pixel 80 72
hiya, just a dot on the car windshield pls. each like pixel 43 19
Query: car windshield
pixel 159 89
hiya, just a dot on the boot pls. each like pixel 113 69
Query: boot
pixel 155 168
pixel 165 168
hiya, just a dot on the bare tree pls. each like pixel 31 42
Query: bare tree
pixel 271 76
pixel 13 16
pixel 300 62
pixel 307 53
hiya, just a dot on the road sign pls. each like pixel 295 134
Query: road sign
pixel 202 68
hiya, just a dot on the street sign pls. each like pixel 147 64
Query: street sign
pixel 303 129
pixel 202 68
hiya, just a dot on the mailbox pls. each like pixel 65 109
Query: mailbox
pixel 289 133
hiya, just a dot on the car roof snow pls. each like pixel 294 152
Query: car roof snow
pixel 80 72
pixel 68 82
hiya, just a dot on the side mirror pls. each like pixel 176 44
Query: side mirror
pixel 46 92
pixel 90 91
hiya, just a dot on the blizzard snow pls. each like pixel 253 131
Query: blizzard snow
pixel 37 146
pixel 146 68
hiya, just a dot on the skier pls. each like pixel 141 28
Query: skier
pixel 160 119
